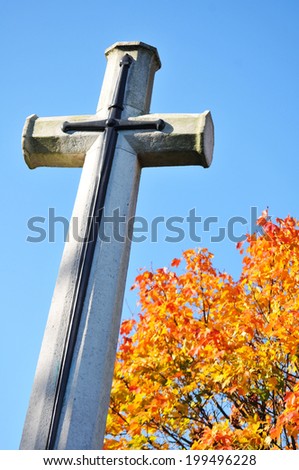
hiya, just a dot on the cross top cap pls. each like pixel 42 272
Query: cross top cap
pixel 133 46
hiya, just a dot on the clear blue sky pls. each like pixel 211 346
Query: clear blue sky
pixel 238 58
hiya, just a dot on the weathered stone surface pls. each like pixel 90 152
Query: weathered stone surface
pixel 45 144
pixel 187 139
pixel 140 85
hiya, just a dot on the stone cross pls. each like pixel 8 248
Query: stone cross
pixel 71 390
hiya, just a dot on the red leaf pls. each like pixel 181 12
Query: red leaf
pixel 127 326
pixel 175 262
pixel 239 245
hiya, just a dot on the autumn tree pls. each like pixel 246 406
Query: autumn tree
pixel 213 363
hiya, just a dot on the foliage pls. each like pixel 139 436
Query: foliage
pixel 213 363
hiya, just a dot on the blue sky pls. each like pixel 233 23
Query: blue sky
pixel 238 58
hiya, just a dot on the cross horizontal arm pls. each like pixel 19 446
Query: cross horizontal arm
pixel 185 139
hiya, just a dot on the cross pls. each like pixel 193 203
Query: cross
pixel 71 390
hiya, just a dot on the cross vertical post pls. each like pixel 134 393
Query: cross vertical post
pixel 71 391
